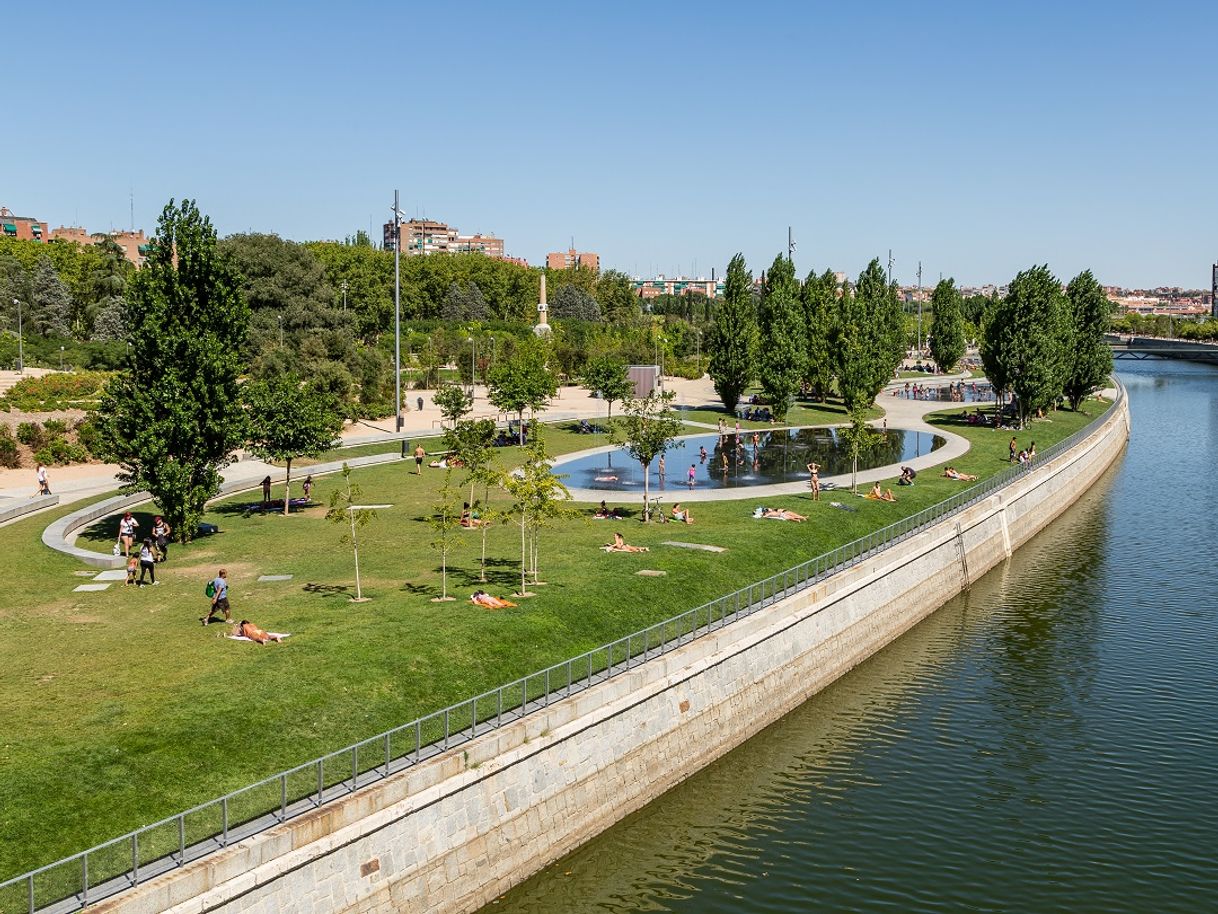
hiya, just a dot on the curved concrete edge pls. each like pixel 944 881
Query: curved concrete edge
pixel 27 506
pixel 58 534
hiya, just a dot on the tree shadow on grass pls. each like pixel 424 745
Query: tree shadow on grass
pixel 499 572
pixel 327 590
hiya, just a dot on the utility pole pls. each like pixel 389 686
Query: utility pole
pixel 20 340
pixel 919 308
pixel 790 246
pixel 344 288
pixel 397 316
pixel 890 266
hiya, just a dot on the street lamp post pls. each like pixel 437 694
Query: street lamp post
pixel 397 316
pixel 61 358
pixel 472 347
pixel 344 288
pixel 20 339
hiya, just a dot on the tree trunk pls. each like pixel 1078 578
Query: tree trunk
pixel 355 545
pixel 646 501
pixel 287 488
pixel 524 587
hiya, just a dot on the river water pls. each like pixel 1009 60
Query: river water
pixel 1045 743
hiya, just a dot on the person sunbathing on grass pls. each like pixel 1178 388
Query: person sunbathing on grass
pixel 482 598
pixel 953 473
pixel 878 494
pixel 247 629
pixel 604 512
pixel 780 514
pixel 681 515
pixel 469 518
pixel 619 544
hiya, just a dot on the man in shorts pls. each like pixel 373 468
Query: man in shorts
pixel 419 454
pixel 219 599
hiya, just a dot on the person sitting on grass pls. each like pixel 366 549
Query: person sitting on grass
pixel 484 599
pixel 247 629
pixel 908 475
pixel 681 515
pixel 619 544
pixel 779 514
pixel 953 473
pixel 879 494
pixel 469 517
pixel 604 512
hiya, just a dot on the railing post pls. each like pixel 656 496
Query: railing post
pixel 354 765
pixel 418 740
pixel 283 797
pixel 135 858
pixel 182 839
pixel 473 717
pixel 321 781
pixel 388 752
pixel 84 878
pixel 224 813
pixel 446 728
pixel 30 891
pixel 499 709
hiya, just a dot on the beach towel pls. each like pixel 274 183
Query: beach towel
pixel 252 641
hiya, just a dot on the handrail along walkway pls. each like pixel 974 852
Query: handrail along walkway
pixel 105 870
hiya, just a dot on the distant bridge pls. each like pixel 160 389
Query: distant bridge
pixel 1138 348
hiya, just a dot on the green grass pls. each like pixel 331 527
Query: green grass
pixel 119 708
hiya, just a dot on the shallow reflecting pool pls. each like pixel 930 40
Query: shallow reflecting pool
pixel 756 458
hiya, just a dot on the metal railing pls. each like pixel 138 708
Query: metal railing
pixel 107 869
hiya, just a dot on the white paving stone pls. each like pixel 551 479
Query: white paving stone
pixel 91 587
pixel 114 574
pixel 266 578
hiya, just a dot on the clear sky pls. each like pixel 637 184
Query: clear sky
pixel 977 137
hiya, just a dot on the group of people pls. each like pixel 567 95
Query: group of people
pixel 217 592
pixel 152 550
pixel 306 487
pixel 1022 457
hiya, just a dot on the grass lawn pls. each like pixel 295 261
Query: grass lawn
pixel 119 708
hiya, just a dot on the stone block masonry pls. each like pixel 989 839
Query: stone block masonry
pixel 453 833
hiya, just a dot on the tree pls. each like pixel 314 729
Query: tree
pixel 819 298
pixel 538 496
pixel 570 301
pixel 522 381
pixel 946 326
pixel 607 375
pixel 454 402
pixel 858 436
pixel 647 428
pixel 344 510
pixel 173 418
pixel 111 320
pixel 993 334
pixel 734 336
pixel 1025 341
pixel 1088 358
pixel 472 442
pixel 446 521
pixel 51 311
pixel 780 350
pixel 869 338
pixel 289 419
pixel 617 299
pixel 465 302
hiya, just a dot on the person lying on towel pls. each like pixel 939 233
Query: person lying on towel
pixel 619 544
pixel 482 598
pixel 247 629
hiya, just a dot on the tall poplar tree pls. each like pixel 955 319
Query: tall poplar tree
pixel 173 418
pixel 946 326
pixel 1088 358
pixel 870 337
pixel 52 311
pixel 780 350
pixel 733 340
pixel 1025 339
pixel 819 299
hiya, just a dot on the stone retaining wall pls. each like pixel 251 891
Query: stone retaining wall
pixel 452 833
pixel 14 510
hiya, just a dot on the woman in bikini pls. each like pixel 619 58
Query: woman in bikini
pixel 247 629
pixel 814 469
pixel 619 544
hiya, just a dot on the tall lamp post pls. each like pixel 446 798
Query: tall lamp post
pixel 397 316
pixel 20 340
pixel 343 286
pixel 472 346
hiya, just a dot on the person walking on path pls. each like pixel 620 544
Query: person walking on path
pixel 219 597
pixel 44 484
pixel 419 454
pixel 307 486
pixel 266 490
pixel 147 561
pixel 126 532
pixel 160 536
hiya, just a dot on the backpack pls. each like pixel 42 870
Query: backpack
pixel 210 590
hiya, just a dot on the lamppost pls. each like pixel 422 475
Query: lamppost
pixel 397 316
pixel 61 358
pixel 344 288
pixel 20 339
pixel 470 340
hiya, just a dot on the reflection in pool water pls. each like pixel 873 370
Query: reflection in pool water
pixel 781 455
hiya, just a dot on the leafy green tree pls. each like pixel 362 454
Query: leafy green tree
pixel 173 418
pixel 858 437
pixel 472 442
pixel 522 380
pixel 733 342
pixel 993 336
pixel 1088 358
pixel 572 302
pixel 111 320
pixel 607 375
pixel 538 497
pixel 780 352
pixel 946 326
pixel 345 511
pixel 618 302
pixel 869 338
pixel 819 298
pixel 446 521
pixel 1026 341
pixel 288 419
pixel 51 311
pixel 465 302
pixel 454 402
pixel 647 428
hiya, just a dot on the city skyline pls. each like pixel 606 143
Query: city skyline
pixel 978 142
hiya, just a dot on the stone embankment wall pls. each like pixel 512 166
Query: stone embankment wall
pixel 454 832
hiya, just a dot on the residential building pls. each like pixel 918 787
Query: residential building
pixel 677 285
pixel 426 236
pixel 135 244
pixel 571 259
pixel 25 227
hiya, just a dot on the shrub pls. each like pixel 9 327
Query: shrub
pixel 61 451
pixel 55 427
pixel 10 458
pixel 90 438
pixel 32 435
pixel 62 390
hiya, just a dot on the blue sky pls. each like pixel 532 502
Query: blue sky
pixel 978 138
